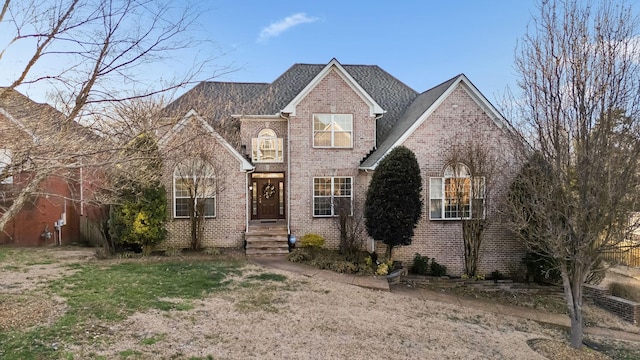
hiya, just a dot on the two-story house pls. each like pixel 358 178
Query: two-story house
pixel 294 147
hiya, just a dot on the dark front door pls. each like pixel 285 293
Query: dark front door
pixel 267 196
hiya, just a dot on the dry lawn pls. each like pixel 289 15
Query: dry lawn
pixel 300 318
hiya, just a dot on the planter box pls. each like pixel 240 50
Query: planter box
pixel 394 276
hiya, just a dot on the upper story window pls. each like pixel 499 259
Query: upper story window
pixel 267 147
pixel 194 190
pixel 456 195
pixel 5 167
pixel 333 130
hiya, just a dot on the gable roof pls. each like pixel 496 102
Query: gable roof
pixel 374 107
pixel 399 108
pixel 36 119
pixel 217 101
pixel 192 114
pixel 420 109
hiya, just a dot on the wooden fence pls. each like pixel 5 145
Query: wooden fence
pixel 627 253
pixel 90 231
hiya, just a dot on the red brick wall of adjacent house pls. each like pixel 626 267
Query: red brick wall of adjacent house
pixel 456 122
pixel 228 227
pixel 331 95
pixel 26 228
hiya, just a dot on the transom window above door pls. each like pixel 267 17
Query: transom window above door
pixel 267 147
pixel 332 130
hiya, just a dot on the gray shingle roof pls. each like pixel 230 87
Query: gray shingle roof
pixel 217 101
pixel 38 118
pixel 407 119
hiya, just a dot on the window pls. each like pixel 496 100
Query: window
pixel 330 194
pixel 453 198
pixel 194 190
pixel 5 167
pixel 267 147
pixel 332 130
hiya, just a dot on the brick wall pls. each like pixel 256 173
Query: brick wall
pixel 332 95
pixel 227 228
pixel 626 309
pixel 456 122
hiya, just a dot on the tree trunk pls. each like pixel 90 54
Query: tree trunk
pixel 573 296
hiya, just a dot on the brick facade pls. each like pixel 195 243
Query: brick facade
pixel 227 228
pixel 459 119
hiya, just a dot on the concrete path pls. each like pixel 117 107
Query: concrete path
pixel 381 284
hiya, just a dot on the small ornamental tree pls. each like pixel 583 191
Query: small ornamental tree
pixel 138 218
pixel 140 222
pixel 393 204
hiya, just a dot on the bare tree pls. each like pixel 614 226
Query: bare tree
pixel 580 81
pixel 195 160
pixel 351 225
pixel 84 53
pixel 470 186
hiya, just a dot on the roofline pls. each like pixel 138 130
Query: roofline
pixel 475 94
pixel 374 107
pixel 19 124
pixel 255 116
pixel 244 164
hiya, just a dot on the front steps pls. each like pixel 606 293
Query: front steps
pixel 266 239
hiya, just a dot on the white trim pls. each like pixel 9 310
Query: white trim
pixel 244 164
pixel 332 133
pixel 473 92
pixel 374 107
pixel 213 196
pixel 276 117
pixel 19 124
pixel 332 196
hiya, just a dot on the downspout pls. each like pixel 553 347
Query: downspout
pixel 246 199
pixel 288 177
pixel 366 171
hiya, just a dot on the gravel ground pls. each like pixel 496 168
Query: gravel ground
pixel 302 318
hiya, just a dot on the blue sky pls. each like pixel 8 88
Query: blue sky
pixel 420 42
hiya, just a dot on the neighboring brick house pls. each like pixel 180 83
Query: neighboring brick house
pixel 316 134
pixel 23 123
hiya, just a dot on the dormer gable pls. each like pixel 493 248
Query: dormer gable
pixel 334 65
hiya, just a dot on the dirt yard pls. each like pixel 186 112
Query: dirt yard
pixel 301 318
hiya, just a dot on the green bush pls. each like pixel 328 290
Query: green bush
pixel 420 264
pixel 312 240
pixel 139 222
pixel 437 269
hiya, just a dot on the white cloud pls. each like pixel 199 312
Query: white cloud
pixel 283 25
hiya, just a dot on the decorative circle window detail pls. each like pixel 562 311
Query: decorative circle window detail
pixel 268 191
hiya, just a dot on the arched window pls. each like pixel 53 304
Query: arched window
pixel 267 147
pixel 194 189
pixel 452 196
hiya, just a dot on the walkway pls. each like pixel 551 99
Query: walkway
pixel 381 284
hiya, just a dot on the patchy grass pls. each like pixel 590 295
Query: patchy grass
pixel 268 277
pixel 108 294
